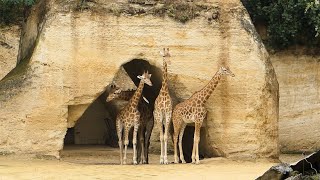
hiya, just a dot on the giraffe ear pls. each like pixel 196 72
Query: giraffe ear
pixel 145 99
pixel 139 77
pixel 150 76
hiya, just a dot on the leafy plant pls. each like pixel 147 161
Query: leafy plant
pixel 313 11
pixel 12 11
pixel 17 2
pixel 288 22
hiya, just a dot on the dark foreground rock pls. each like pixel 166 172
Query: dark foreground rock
pixel 277 172
pixel 306 169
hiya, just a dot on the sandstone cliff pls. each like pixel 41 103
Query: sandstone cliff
pixel 69 54
pixel 298 74
pixel 9 45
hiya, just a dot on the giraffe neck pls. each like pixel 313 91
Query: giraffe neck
pixel 204 94
pixel 126 95
pixel 164 86
pixel 136 96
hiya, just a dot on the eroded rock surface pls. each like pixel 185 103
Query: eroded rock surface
pixel 9 45
pixel 299 112
pixel 78 54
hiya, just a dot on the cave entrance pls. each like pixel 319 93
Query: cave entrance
pixel 95 130
pixel 92 128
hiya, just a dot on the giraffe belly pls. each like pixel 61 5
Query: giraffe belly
pixel 189 119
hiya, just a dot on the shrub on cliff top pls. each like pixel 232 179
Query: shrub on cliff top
pixel 13 11
pixel 288 22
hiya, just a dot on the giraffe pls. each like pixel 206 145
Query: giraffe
pixel 193 110
pixel 129 116
pixel 163 108
pixel 146 120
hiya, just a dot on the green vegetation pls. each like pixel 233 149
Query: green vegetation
pixel 288 22
pixel 13 11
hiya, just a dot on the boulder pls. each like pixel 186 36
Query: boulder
pixel 277 172
pixel 306 168
pixel 70 53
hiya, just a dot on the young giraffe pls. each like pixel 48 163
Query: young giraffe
pixel 129 116
pixel 193 110
pixel 146 121
pixel 163 108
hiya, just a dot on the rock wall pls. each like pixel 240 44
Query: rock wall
pixel 77 54
pixel 9 45
pixel 299 76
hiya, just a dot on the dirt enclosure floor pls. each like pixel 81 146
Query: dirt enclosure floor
pixel 99 162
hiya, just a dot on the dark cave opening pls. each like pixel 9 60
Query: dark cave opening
pixel 136 67
pixel 96 126
pixel 93 126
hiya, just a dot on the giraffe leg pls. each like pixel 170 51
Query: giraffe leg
pixel 165 138
pixel 119 132
pixel 139 147
pixel 176 130
pixel 134 142
pixel 194 146
pixel 161 138
pixel 126 142
pixel 183 126
pixel 149 128
pixel 141 141
pixel 197 137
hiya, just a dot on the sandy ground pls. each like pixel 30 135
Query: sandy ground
pixel 97 162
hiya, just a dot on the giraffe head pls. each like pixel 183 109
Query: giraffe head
pixel 225 71
pixel 166 55
pixel 145 77
pixel 114 92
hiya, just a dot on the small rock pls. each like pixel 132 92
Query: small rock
pixel 277 172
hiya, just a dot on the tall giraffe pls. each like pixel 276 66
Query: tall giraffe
pixel 146 121
pixel 163 108
pixel 193 110
pixel 130 116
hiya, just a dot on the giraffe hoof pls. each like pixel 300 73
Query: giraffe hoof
pixel 197 162
pixel 124 163
pixel 176 162
pixel 144 162
pixel 183 161
pixel 161 161
pixel 135 162
pixel 165 162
